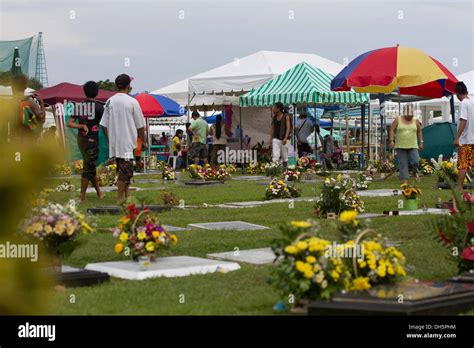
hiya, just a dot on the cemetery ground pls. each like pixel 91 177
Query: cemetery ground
pixel 246 291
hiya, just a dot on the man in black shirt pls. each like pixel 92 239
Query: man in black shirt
pixel 88 118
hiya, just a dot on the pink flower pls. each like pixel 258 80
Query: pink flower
pixel 116 232
pixel 470 226
pixel 468 254
pixel 469 198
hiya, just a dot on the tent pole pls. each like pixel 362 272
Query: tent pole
pixel 362 129
pixel 347 133
pixel 368 133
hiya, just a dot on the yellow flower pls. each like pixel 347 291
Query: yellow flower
pixel 335 275
pixel 291 249
pixel 302 245
pixel 118 248
pixel 155 234
pixel 59 229
pixel 173 239
pixel 310 259
pixel 125 220
pixel 301 224
pixel 362 263
pixel 123 237
pixel 308 274
pixel 381 271
pixel 141 235
pixel 48 229
pixel 348 216
pixel 360 283
pixel 299 265
pixel 150 246
pixel 407 192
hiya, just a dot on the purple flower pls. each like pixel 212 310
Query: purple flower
pixel 160 229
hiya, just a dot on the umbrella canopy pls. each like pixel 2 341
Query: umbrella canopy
pixel 387 69
pixel 70 92
pixel 154 105
pixel 302 84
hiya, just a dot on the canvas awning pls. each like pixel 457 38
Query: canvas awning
pixel 302 84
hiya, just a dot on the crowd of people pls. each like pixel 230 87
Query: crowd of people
pixel 123 124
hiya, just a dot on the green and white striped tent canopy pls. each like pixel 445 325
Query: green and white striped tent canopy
pixel 302 84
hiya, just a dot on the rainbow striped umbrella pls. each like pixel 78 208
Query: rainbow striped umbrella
pixel 403 69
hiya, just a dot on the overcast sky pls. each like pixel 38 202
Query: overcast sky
pixel 166 41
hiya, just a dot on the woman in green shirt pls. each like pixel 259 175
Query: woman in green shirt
pixel 409 138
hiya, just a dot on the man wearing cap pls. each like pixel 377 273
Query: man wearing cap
pixel 199 130
pixel 122 121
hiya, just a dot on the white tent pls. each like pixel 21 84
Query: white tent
pixel 442 104
pixel 241 75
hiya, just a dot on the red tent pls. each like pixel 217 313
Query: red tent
pixel 70 92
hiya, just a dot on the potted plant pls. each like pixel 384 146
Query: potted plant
pixel 411 194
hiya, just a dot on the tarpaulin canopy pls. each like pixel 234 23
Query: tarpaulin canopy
pixel 302 84
pixel 154 105
pixel 69 92
pixel 240 76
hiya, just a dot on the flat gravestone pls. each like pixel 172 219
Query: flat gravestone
pixel 419 298
pixel 424 211
pixel 168 267
pixel 202 183
pixel 114 209
pixel 148 181
pixel 369 215
pixel 228 225
pixel 379 193
pixel 65 269
pixel 445 186
pixel 260 256
pixel 173 228
pixel 250 178
pixel 110 189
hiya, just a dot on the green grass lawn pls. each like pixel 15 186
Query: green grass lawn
pixel 246 291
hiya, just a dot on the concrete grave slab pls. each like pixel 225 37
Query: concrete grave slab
pixel 228 225
pixel 260 256
pixel 250 177
pixel 379 193
pixel 168 267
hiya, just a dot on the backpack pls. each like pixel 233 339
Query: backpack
pixel 27 119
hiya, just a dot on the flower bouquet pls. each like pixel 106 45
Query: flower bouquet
pixel 254 168
pixel 306 164
pixel 337 195
pixel 62 169
pixel 273 169
pixel 107 174
pixel 426 168
pixel 411 194
pixel 77 166
pixel 292 174
pixel 140 234
pixel 315 268
pixel 278 188
pixel 65 186
pixel 208 173
pixel 456 231
pixel 168 174
pixel 57 226
pixel 445 169
pixel 362 181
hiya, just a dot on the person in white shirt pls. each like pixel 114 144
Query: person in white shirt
pixel 304 128
pixel 464 139
pixel 122 121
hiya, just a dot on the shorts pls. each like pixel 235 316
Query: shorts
pixel 124 170
pixel 198 150
pixel 90 154
pixel 466 157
